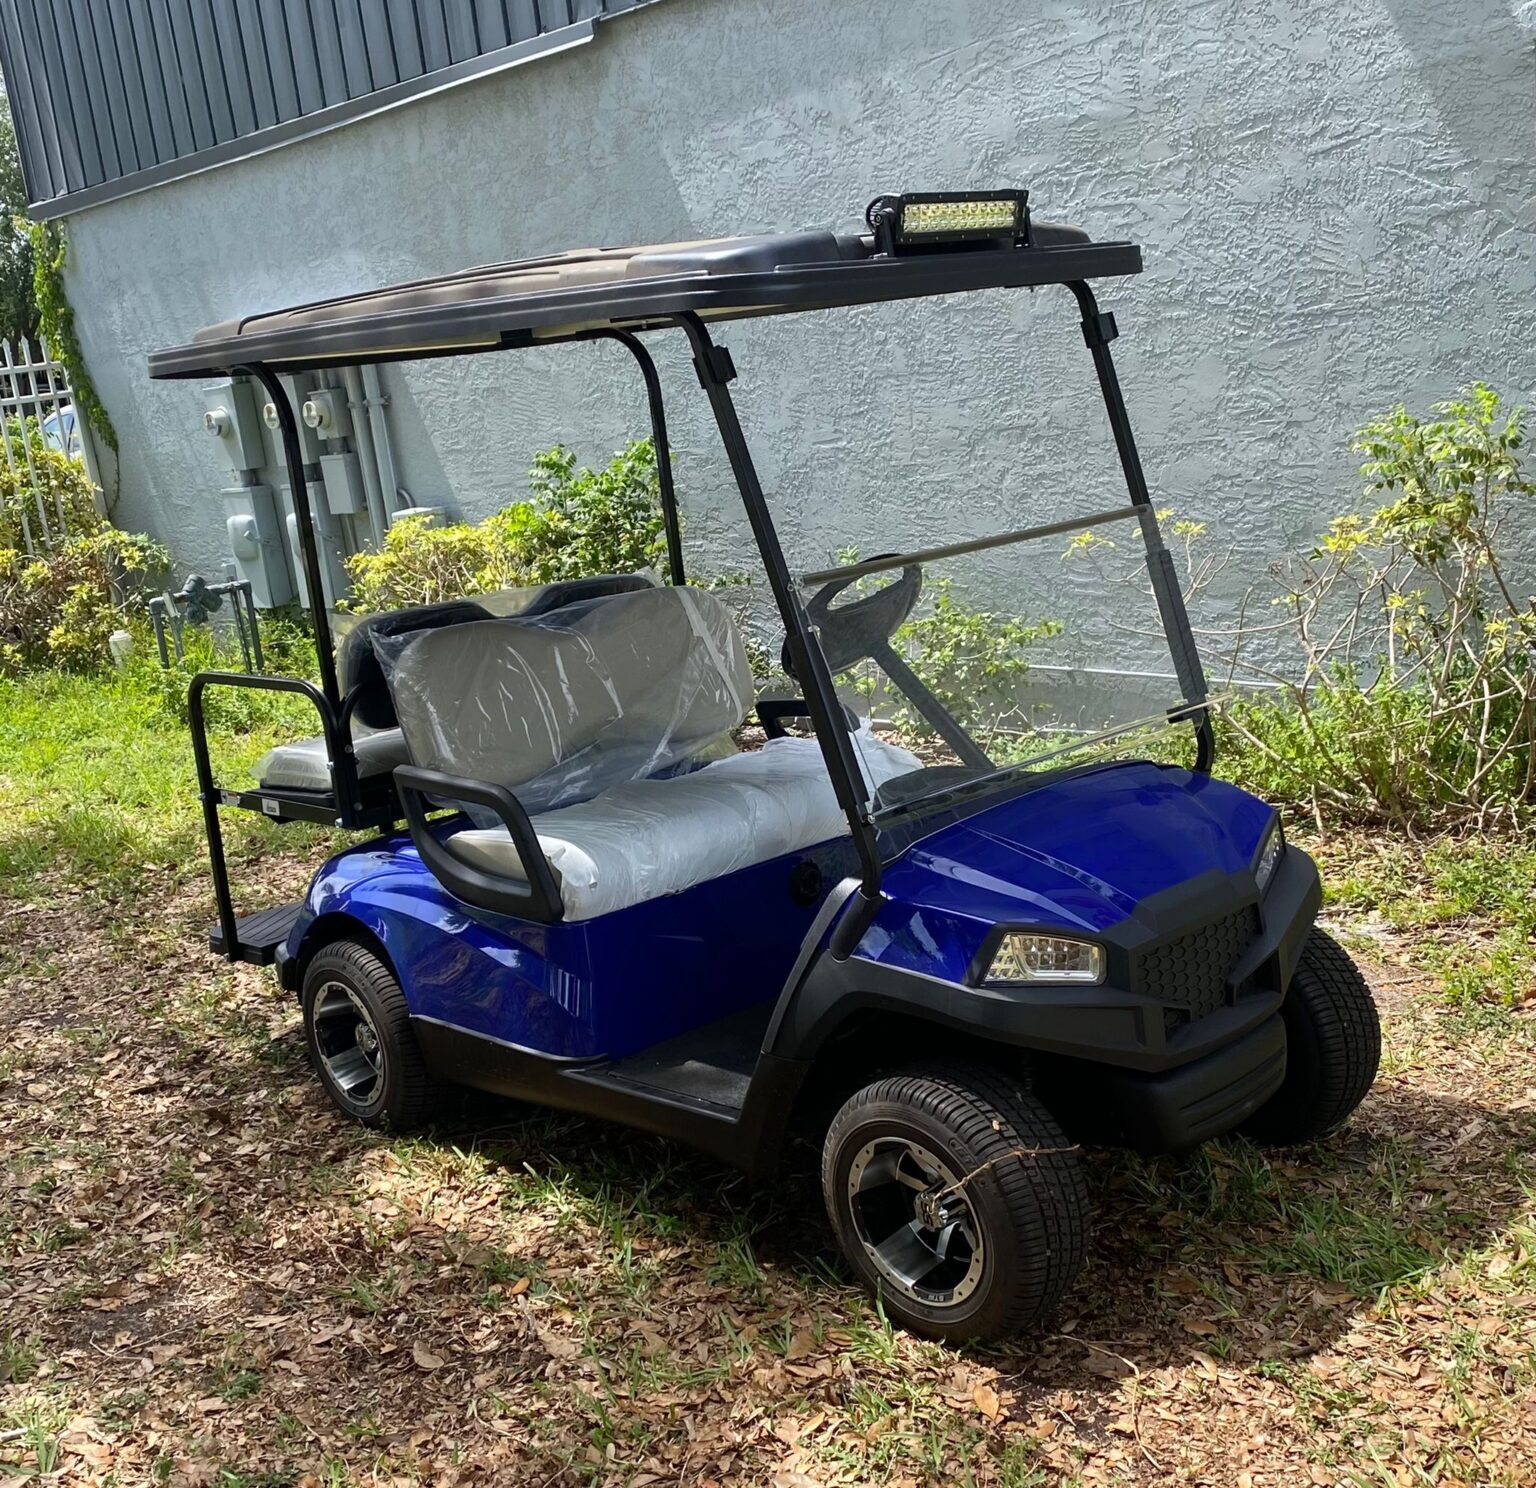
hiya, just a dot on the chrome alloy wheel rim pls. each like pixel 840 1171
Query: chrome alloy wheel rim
pixel 915 1223
pixel 349 1045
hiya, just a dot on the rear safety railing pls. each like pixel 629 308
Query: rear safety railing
pixel 342 811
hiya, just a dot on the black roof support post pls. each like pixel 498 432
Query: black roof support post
pixel 663 448
pixel 716 371
pixel 1099 329
pixel 293 454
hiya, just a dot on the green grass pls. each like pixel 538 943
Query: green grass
pixel 18 1358
pixel 1379 1227
pixel 37 1419
pixel 97 780
pixel 1465 906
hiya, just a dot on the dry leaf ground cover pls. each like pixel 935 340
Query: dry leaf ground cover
pixel 207 1278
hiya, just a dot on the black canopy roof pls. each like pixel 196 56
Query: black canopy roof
pixel 568 295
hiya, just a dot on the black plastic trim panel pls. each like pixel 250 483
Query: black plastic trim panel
pixel 749 1138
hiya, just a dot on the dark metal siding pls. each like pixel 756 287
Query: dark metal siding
pixel 110 96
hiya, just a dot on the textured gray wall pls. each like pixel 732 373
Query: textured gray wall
pixel 1336 200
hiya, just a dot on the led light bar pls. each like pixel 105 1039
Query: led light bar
pixel 935 218
pixel 1023 958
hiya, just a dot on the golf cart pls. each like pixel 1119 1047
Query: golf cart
pixel 968 964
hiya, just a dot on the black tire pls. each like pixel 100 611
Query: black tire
pixel 346 989
pixel 1333 1048
pixel 1019 1179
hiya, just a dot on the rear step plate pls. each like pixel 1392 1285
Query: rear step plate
pixel 258 936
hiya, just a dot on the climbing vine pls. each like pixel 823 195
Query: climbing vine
pixel 56 320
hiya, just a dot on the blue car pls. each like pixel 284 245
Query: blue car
pixel 954 963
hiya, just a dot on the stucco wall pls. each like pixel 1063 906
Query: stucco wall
pixel 1336 198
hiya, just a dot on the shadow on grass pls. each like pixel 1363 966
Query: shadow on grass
pixel 1250 1255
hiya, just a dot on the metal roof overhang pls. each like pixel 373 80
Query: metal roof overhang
pixel 346 332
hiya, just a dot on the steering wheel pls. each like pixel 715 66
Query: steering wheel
pixel 850 632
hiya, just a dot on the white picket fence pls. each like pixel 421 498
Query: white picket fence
pixel 34 389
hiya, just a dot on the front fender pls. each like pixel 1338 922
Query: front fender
pixel 1107 1024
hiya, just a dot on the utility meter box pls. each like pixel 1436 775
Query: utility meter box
pixel 232 414
pixel 325 411
pixel 343 480
pixel 333 568
pixel 310 448
pixel 256 544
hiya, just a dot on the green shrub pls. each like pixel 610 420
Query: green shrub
pixel 422 564
pixel 58 609
pixel 1412 698
pixel 578 522
pixel 61 485
pixel 287 650
pixel 584 521
pixel 976 664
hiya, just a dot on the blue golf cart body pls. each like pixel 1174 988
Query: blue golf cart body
pixel 1106 949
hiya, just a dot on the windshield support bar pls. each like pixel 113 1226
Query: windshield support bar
pixel 970 545
pixel 304 518
pixel 1099 330
pixel 715 369
pixel 661 444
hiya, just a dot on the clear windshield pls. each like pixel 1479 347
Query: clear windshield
pixel 1041 651
pixel 1032 657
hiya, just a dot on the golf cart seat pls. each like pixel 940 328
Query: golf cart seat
pixel 611 723
pixel 377 742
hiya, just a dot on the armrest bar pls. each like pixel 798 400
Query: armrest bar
pixel 538 899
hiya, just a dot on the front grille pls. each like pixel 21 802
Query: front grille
pixel 1191 972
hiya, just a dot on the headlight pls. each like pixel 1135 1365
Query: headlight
pixel 1025 957
pixel 1269 855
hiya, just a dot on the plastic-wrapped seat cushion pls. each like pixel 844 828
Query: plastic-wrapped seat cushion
pixel 359 667
pixel 584 698
pixel 646 838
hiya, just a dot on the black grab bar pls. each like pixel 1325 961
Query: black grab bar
pixel 538 899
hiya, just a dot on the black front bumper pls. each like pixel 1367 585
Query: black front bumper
pixel 1180 1108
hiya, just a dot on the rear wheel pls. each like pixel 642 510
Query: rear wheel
pixel 957 1199
pixel 1333 1048
pixel 360 1040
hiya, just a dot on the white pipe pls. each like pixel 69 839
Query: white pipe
pixel 381 445
pixel 366 458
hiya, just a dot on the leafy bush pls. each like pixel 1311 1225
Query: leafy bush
pixel 976 664
pixel 578 522
pixel 61 485
pixel 584 521
pixel 1414 698
pixel 422 564
pixel 58 609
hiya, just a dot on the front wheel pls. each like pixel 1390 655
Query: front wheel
pixel 358 1029
pixel 1333 1048
pixel 958 1200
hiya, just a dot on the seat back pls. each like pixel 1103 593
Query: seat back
pixel 358 664
pixel 562 706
